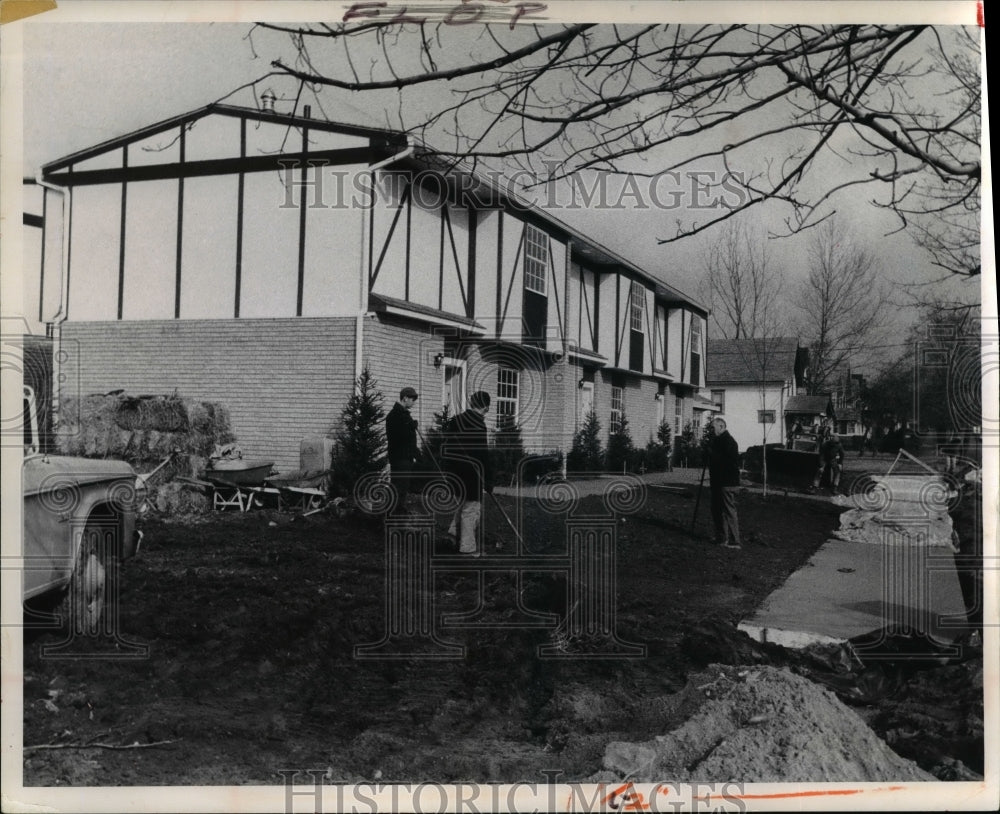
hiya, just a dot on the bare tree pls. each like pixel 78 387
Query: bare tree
pixel 768 109
pixel 741 285
pixel 842 301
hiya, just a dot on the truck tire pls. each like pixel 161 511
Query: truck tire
pixel 85 607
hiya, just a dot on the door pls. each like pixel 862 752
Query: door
pixel 453 395
pixel 586 402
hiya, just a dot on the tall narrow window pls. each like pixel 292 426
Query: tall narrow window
pixel 636 308
pixel 536 259
pixel 508 380
pixel 636 296
pixel 536 304
pixel 678 414
pixel 695 350
pixel 617 407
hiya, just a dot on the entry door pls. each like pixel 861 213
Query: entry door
pixel 586 402
pixel 454 385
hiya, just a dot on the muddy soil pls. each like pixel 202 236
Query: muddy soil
pixel 251 623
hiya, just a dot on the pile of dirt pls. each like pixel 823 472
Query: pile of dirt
pixel 765 725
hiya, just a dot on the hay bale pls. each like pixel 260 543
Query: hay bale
pixel 177 499
pixel 160 413
pixel 142 430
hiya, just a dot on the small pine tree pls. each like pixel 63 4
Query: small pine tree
pixel 361 446
pixel 621 450
pixel 587 453
pixel 658 449
pixel 431 452
pixel 688 447
pixel 508 449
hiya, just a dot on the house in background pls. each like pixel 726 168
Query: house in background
pixel 849 402
pixel 808 410
pixel 752 381
pixel 261 260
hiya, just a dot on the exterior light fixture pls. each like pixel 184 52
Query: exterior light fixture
pixel 438 359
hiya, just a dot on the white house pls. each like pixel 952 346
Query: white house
pixel 751 380
pixel 261 260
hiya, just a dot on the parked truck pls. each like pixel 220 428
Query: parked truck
pixel 79 521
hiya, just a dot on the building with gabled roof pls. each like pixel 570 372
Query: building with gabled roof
pixel 261 260
pixel 752 381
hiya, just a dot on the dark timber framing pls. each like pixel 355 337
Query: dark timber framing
pixel 470 303
pixel 499 270
pixel 240 192
pixel 441 267
pixel 304 170
pixel 121 238
pixel 68 225
pixel 454 255
pixel 41 271
pixel 180 227
pixel 409 231
pixel 212 166
pixel 373 275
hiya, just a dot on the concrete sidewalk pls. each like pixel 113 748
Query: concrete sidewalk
pixel 850 589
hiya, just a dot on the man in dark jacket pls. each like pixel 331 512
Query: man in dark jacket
pixel 465 454
pixel 724 474
pixel 831 459
pixel 401 437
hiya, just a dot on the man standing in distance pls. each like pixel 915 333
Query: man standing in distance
pixel 724 474
pixel 465 453
pixel 401 437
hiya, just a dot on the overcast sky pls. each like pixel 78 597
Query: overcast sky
pixel 84 83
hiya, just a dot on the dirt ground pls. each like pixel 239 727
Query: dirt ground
pixel 251 623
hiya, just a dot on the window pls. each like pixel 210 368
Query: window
pixel 536 259
pixel 719 397
pixel 635 304
pixel 506 403
pixel 678 414
pixel 637 343
pixel 695 350
pixel 765 416
pixel 617 407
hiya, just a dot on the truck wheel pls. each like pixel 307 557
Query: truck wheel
pixel 85 603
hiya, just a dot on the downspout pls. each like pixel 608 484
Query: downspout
pixel 568 425
pixel 363 313
pixel 61 313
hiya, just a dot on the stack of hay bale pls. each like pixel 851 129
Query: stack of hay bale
pixel 144 430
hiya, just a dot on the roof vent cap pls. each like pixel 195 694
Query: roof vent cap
pixel 267 101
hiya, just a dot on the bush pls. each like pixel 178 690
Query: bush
pixel 587 453
pixel 361 445
pixel 537 467
pixel 656 456
pixel 508 450
pixel 690 450
pixel 621 450
pixel 430 453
